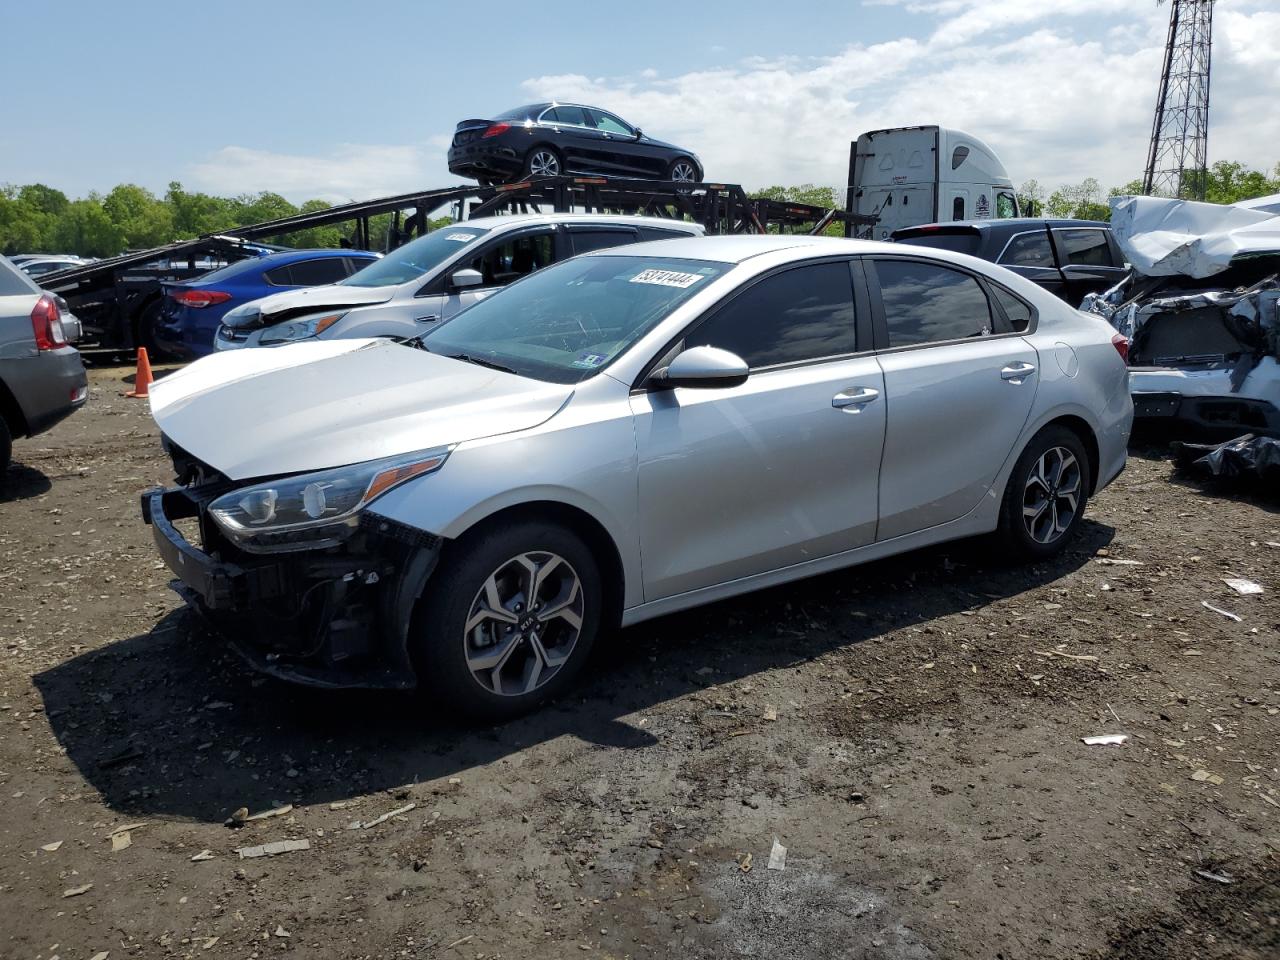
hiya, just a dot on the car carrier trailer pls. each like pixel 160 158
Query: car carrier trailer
pixel 119 299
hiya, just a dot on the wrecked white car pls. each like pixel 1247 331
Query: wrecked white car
pixel 1200 310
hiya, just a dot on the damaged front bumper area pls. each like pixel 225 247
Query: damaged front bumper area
pixel 335 617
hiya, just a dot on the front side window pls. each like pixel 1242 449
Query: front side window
pixel 610 124
pixel 504 262
pixel 1006 206
pixel 802 314
pixel 571 320
pixel 1028 250
pixel 1086 247
pixel 416 257
pixel 930 303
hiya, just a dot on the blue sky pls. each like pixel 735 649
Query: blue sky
pixel 341 100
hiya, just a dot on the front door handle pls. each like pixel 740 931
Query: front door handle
pixel 854 400
pixel 1017 372
pixel 429 319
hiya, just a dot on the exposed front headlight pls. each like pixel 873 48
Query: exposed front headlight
pixel 313 510
pixel 244 317
pixel 299 329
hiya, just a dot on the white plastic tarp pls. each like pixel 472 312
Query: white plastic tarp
pixel 1161 237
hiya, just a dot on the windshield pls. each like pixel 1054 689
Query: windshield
pixel 569 321
pixel 414 259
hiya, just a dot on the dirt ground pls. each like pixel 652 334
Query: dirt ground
pixel 909 731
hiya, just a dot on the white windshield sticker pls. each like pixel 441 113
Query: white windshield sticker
pixel 460 237
pixel 667 278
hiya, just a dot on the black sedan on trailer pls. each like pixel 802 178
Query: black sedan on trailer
pixel 548 139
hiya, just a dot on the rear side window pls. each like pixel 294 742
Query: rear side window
pixel 929 303
pixel 964 241
pixel 1086 247
pixel 279 276
pixel 1028 250
pixel 585 241
pixel 1018 312
pixel 803 314
pixel 311 273
pixel 571 115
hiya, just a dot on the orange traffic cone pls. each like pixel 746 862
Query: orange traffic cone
pixel 142 379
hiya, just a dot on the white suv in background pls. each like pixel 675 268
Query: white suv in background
pixel 432 278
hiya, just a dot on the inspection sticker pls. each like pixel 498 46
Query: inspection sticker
pixel 667 278
pixel 460 237
pixel 589 361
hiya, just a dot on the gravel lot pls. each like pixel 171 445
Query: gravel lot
pixel 909 731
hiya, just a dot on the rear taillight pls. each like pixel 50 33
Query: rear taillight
pixel 200 298
pixel 46 324
pixel 495 129
pixel 1121 343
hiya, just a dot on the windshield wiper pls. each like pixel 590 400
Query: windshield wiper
pixel 480 362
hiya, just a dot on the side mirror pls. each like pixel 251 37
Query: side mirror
pixel 639 134
pixel 462 279
pixel 701 367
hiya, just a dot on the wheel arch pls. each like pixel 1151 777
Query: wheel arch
pixel 11 413
pixel 580 522
pixel 1082 429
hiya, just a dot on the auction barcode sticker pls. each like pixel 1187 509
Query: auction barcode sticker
pixel 667 278
pixel 460 237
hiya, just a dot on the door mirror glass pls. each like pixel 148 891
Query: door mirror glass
pixel 702 367
pixel 462 279
pixel 639 133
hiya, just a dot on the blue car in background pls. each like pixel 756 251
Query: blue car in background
pixel 192 310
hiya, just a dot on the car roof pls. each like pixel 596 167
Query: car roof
pixel 531 219
pixel 1011 222
pixel 318 253
pixel 739 247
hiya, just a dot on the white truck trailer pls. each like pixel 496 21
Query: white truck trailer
pixel 906 176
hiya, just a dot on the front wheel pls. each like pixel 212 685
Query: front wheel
pixel 508 620
pixel 1046 496
pixel 543 162
pixel 683 170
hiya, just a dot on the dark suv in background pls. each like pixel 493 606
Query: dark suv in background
pixel 549 139
pixel 1069 258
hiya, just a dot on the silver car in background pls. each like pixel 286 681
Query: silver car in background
pixel 432 278
pixel 42 379
pixel 620 436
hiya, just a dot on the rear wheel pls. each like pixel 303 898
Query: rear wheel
pixel 1046 496
pixel 683 170
pixel 145 332
pixel 509 618
pixel 543 162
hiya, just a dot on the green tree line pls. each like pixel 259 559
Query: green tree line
pixel 35 218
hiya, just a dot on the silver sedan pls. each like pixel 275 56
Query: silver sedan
pixel 620 436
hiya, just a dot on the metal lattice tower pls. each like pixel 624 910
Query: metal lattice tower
pixel 1178 157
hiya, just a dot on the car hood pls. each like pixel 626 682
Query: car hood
pixel 279 307
pixel 320 404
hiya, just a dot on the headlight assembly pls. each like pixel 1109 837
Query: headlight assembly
pixel 299 329
pixel 313 510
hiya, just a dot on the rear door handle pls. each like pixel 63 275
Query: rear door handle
pixel 854 400
pixel 1017 372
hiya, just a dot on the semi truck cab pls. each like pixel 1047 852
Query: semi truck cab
pixel 906 176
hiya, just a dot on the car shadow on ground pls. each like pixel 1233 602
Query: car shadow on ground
pixel 169 723
pixel 21 482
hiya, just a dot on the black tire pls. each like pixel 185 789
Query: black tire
pixel 683 163
pixel 440 642
pixel 145 334
pixel 1057 522
pixel 538 162
pixel 6 447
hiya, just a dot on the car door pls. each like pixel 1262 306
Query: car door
pixel 1030 254
pixel 782 469
pixel 959 382
pixel 501 261
pixel 622 153
pixel 573 132
pixel 1088 264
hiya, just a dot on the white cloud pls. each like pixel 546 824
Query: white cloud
pixel 346 172
pixel 1061 89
